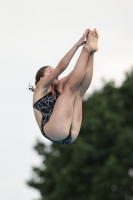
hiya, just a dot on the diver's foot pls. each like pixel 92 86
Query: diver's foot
pixel 91 41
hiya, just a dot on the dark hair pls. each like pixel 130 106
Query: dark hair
pixel 39 74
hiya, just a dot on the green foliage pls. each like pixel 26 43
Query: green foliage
pixel 99 164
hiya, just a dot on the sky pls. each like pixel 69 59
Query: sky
pixel 34 33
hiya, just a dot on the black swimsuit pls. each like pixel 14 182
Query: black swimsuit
pixel 45 105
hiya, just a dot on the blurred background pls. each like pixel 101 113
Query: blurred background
pixel 37 33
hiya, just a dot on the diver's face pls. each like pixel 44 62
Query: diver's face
pixel 48 71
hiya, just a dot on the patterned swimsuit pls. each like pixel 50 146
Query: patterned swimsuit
pixel 45 105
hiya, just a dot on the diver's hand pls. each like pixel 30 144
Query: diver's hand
pixel 82 39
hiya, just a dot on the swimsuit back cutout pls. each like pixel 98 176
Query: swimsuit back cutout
pixel 45 105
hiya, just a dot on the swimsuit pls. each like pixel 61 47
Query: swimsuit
pixel 45 105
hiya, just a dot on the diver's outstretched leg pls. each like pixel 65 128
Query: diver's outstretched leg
pixel 77 108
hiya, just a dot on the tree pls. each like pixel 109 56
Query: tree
pixel 99 164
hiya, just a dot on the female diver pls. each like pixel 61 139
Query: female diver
pixel 58 103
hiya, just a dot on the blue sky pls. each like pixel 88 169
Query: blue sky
pixel 36 33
